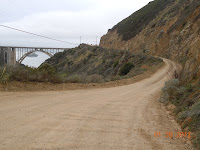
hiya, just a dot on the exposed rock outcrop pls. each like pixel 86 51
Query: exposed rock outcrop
pixel 173 33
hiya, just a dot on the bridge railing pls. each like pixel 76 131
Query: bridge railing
pixel 18 54
pixel 24 52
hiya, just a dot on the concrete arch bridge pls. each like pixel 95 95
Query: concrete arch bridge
pixel 15 55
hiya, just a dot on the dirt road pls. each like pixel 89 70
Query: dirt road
pixel 119 118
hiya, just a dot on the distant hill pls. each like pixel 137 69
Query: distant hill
pixel 32 55
pixel 95 64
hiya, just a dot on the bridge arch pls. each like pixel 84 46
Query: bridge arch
pixel 36 50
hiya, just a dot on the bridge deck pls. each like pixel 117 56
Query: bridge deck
pixel 32 47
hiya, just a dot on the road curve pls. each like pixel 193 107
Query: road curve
pixel 119 118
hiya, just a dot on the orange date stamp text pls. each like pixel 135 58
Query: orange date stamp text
pixel 171 134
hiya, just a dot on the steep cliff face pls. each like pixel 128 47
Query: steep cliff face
pixel 172 31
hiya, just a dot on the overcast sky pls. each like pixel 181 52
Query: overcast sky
pixel 65 20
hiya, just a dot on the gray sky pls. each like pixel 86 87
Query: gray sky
pixel 61 19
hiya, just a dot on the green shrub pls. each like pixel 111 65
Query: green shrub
pixel 186 97
pixel 46 73
pixel 126 69
pixel 183 115
pixel 164 98
pixel 74 79
pixel 168 90
pixel 95 78
pixel 195 111
pixel 116 63
pixel 197 140
pixel 115 78
pixel 184 23
pixel 48 68
pixel 4 76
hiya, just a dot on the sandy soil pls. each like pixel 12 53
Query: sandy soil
pixel 117 118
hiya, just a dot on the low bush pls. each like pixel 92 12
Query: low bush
pixel 47 68
pixel 169 90
pixel 126 69
pixel 27 74
pixel 74 79
pixel 95 78
pixel 186 97
pixel 4 76
pixel 115 78
pixel 116 63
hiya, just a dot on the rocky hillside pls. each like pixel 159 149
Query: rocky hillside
pixel 88 64
pixel 170 29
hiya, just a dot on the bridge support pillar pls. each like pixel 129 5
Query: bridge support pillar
pixel 8 56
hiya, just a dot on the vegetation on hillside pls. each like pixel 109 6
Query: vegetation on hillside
pixel 185 95
pixel 83 64
pixel 27 74
pixel 186 10
pixel 88 64
pixel 135 23
pixel 4 76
